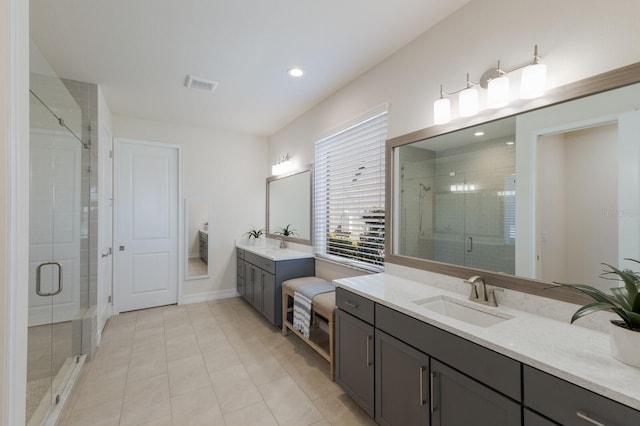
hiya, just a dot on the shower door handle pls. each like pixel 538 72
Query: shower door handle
pixel 39 281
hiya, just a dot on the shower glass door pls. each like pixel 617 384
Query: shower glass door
pixel 58 233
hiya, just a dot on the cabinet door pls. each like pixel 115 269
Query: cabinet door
pixel 256 301
pixel 402 392
pixel 249 282
pixel 459 400
pixel 534 419
pixel 269 296
pixel 354 359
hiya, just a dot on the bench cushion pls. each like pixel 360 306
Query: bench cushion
pixel 324 304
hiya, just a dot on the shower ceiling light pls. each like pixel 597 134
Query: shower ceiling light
pixel 532 85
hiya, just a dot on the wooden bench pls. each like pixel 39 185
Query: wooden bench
pixel 323 308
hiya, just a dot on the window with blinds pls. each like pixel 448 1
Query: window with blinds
pixel 349 216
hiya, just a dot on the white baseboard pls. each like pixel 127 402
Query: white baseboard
pixel 211 295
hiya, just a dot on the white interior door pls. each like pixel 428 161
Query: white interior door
pixel 147 224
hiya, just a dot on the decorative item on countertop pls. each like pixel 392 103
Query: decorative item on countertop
pixel 287 231
pixel 623 301
pixel 254 233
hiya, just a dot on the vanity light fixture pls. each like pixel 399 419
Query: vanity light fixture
pixel 495 80
pixel 282 166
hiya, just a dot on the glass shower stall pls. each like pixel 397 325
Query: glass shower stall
pixel 58 241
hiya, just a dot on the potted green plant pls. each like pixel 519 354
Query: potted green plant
pixel 254 233
pixel 286 231
pixel 624 301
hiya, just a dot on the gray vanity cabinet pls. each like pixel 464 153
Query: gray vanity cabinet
pixel 354 358
pixel 570 405
pixel 259 281
pixel 402 383
pixel 459 400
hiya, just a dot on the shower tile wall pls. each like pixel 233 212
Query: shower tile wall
pixel 86 95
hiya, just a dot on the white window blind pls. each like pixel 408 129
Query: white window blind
pixel 349 217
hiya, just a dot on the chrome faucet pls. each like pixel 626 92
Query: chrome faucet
pixel 480 293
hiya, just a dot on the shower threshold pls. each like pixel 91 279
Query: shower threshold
pixel 48 412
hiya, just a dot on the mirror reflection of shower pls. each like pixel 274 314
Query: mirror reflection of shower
pixel 422 193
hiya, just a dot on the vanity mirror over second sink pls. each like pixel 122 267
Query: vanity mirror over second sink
pixel 289 207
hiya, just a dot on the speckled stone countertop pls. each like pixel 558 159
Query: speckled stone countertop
pixel 575 354
pixel 274 252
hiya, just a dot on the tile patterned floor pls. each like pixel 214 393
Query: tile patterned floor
pixel 216 363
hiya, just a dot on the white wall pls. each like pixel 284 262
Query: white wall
pixel 577 39
pixel 228 168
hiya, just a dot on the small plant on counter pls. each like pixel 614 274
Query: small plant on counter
pixel 287 231
pixel 254 233
pixel 623 301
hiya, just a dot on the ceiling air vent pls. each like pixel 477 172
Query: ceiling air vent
pixel 193 82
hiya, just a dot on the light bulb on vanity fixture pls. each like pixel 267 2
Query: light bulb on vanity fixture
pixel 534 78
pixel 498 89
pixel 442 109
pixel 468 100
pixel 495 80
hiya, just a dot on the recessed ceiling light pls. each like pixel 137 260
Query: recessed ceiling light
pixel 478 133
pixel 295 72
pixel 510 143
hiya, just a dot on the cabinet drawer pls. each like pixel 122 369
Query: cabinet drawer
pixel 240 253
pixel 356 305
pixel 568 404
pixel 491 368
pixel 261 262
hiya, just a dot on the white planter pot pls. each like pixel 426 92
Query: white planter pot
pixel 625 345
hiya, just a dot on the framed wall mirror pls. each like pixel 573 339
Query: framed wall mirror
pixel 289 207
pixel 543 193
pixel 197 214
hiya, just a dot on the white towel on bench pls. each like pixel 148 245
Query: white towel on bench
pixel 302 304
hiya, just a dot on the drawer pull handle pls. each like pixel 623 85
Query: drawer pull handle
pixel 351 304
pixel 432 399
pixel 422 370
pixel 584 416
pixel 369 338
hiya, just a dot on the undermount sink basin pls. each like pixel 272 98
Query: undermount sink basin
pixel 462 311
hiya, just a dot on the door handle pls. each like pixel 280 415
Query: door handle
pixel 107 252
pixel 422 371
pixel 369 338
pixel 39 279
pixel 469 244
pixel 432 400
pixel 584 416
